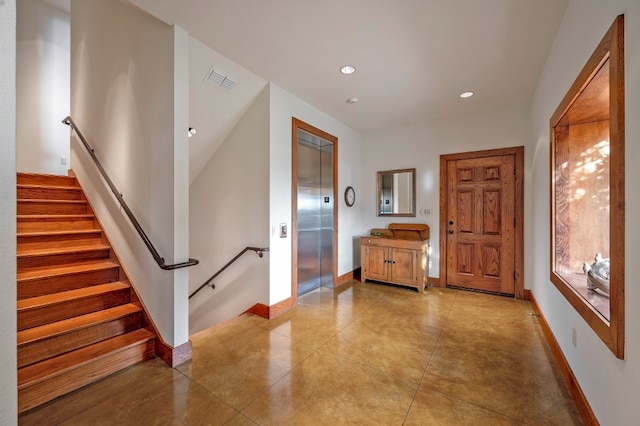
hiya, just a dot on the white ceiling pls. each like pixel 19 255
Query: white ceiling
pixel 413 57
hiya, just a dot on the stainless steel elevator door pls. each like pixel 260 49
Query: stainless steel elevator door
pixel 315 212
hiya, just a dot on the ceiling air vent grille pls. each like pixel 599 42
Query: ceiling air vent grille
pixel 220 80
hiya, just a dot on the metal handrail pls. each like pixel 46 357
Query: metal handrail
pixel 156 256
pixel 259 251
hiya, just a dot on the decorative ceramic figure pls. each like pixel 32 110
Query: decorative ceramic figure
pixel 597 274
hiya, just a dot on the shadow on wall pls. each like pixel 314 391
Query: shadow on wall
pixel 356 252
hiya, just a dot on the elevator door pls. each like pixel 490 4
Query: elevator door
pixel 315 212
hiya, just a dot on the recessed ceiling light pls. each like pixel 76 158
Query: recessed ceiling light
pixel 348 69
pixel 466 94
pixel 352 100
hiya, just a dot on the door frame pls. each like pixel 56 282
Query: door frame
pixel 518 153
pixel 295 125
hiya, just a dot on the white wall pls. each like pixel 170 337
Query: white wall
pixel 8 372
pixel 420 147
pixel 229 211
pixel 43 78
pixel 284 106
pixel 612 386
pixel 129 96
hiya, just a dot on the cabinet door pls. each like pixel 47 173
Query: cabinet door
pixel 403 266
pixel 376 263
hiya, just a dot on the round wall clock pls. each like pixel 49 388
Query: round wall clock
pixel 349 196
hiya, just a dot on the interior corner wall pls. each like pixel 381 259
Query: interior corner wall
pixel 284 106
pixel 123 100
pixel 229 210
pixel 43 79
pixel 8 322
pixel 420 147
pixel 610 385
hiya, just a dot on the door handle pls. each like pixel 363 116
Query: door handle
pixel 451 231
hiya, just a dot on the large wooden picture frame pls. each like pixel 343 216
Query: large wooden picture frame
pixel 587 189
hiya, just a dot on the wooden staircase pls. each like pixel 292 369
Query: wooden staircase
pixel 78 317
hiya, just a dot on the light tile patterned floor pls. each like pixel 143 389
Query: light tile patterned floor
pixel 365 354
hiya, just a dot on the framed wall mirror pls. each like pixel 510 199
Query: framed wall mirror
pixel 587 192
pixel 397 193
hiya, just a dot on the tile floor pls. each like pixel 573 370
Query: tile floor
pixel 365 354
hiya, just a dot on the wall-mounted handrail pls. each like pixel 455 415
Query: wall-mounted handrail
pixel 259 251
pixel 156 256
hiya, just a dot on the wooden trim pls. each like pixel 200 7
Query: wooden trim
pixel 518 153
pixel 433 281
pixel 222 325
pixel 519 228
pixel 259 309
pixel 295 125
pixel 173 356
pixel 442 279
pixel 294 209
pixel 270 312
pixel 527 294
pixel 281 307
pixel 582 404
pixel 343 279
pixel 612 330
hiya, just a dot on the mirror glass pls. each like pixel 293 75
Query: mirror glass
pixel 397 193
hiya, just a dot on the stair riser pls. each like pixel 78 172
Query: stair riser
pixel 50 193
pixel 43 207
pixel 52 180
pixel 50 224
pixel 42 315
pixel 48 389
pixel 63 344
pixel 31 353
pixel 25 263
pixel 59 241
pixel 55 284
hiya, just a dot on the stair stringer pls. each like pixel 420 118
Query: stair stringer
pixel 172 356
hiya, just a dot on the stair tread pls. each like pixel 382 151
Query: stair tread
pixel 41 186
pixel 63 296
pixel 31 335
pixel 57 233
pixel 44 175
pixel 54 216
pixel 60 250
pixel 70 360
pixel 65 270
pixel 44 200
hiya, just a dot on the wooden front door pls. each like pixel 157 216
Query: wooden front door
pixel 480 223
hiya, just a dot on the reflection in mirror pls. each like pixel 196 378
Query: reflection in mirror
pixel 397 193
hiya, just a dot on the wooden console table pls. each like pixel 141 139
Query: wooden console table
pixel 397 255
